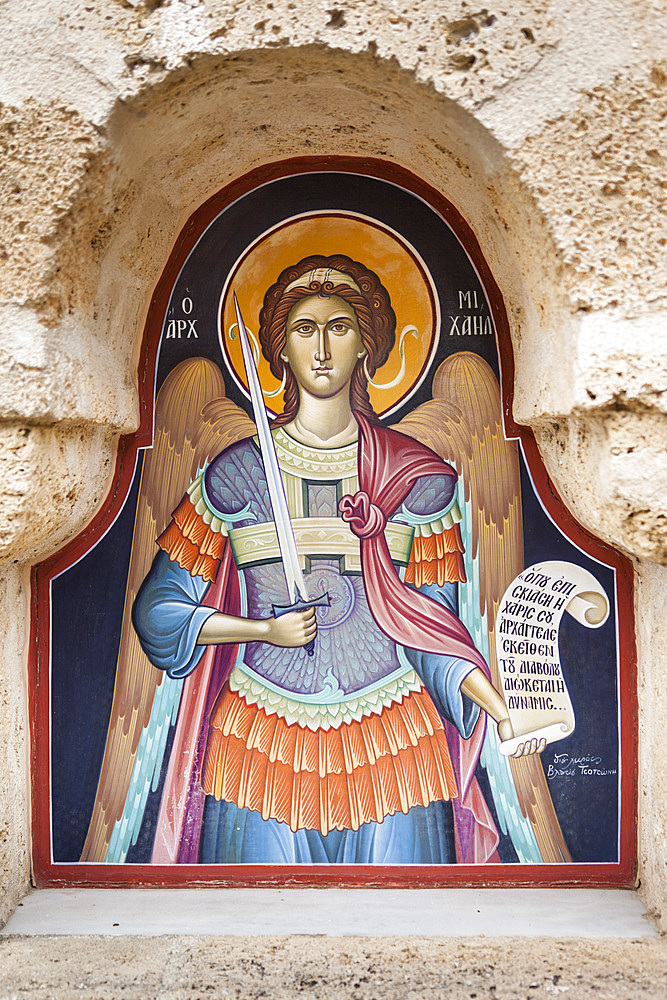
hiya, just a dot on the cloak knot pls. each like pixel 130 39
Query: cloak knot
pixel 365 518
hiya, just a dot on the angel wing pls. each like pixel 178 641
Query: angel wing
pixel 462 424
pixel 194 421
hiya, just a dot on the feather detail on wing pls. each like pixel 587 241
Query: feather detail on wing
pixel 463 425
pixel 194 421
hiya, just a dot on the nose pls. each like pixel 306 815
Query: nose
pixel 322 353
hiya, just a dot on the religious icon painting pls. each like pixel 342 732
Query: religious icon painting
pixel 333 624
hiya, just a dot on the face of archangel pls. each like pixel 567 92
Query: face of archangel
pixel 323 344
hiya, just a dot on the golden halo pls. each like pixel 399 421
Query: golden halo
pixel 398 265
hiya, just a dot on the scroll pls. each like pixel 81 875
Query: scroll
pixel 527 623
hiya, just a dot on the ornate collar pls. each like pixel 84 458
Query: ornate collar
pixel 314 463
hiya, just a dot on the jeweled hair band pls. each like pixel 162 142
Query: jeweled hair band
pixel 322 275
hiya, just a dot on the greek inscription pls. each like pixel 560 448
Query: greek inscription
pixel 533 702
pixel 563 587
pixel 524 628
pixel 182 329
pixel 468 300
pixel 526 643
pixel 470 324
pixel 534 685
pixel 587 765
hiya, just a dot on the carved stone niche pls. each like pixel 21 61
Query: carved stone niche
pixel 222 737
pixel 108 196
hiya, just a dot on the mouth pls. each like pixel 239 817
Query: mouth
pixel 322 370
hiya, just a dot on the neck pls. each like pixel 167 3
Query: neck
pixel 324 422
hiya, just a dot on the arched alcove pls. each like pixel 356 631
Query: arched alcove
pixel 170 146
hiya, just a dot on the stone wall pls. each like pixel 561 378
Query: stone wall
pixel 539 120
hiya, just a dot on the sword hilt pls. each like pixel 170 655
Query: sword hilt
pixel 300 605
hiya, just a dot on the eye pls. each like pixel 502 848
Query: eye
pixel 340 326
pixel 304 329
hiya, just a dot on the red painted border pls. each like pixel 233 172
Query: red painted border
pixel 46 873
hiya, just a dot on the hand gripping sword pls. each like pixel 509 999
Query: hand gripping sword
pixel 296 587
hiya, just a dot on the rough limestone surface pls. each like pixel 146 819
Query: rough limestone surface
pixel 610 228
pixel 543 122
pixel 651 654
pixel 188 968
pixel 14 828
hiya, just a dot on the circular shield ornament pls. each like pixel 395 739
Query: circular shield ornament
pixel 342 595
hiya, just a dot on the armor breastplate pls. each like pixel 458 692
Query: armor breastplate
pixel 351 653
pixel 348 735
pixel 314 479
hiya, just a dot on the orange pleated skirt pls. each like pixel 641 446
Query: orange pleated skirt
pixel 328 779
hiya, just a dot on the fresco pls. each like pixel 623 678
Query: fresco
pixel 332 621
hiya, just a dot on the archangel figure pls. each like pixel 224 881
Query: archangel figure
pixel 364 752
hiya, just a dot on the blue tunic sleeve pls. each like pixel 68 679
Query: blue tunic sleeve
pixel 168 616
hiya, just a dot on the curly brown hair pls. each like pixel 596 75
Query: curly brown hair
pixel 375 316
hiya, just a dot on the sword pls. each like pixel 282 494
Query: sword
pixel 296 587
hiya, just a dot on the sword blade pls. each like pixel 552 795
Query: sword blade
pixel 296 587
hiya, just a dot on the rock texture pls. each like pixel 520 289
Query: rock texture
pixel 540 121
pixel 14 826
pixel 652 642
pixel 336 968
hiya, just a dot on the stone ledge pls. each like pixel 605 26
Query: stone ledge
pixel 577 913
pixel 179 967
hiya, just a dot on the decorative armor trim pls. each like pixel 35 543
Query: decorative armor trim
pixel 195 545
pixel 314 463
pixel 317 536
pixel 437 548
pixel 431 550
pixel 197 493
pixel 425 524
pixel 325 714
